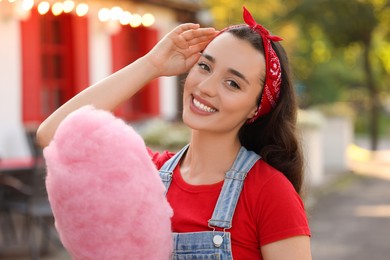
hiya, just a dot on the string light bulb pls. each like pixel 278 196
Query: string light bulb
pixel 68 6
pixel 57 9
pixel 125 18
pixel 104 14
pixel 27 5
pixel 82 9
pixel 115 13
pixel 147 20
pixel 136 20
pixel 43 7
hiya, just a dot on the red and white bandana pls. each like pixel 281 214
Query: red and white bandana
pixel 273 73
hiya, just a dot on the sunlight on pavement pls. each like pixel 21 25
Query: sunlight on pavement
pixel 365 162
pixel 357 153
pixel 377 211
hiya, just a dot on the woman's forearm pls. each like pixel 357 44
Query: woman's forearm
pixel 106 94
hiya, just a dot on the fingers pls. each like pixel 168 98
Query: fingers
pixel 192 33
pixel 194 52
pixel 195 36
pixel 199 47
pixel 199 40
pixel 185 27
pixel 191 60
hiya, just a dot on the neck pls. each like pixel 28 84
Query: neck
pixel 209 157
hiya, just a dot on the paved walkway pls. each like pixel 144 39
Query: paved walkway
pixel 351 217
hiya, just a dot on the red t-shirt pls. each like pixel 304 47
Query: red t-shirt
pixel 268 208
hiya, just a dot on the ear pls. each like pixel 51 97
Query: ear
pixel 253 112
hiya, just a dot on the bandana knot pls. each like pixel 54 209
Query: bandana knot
pixel 248 18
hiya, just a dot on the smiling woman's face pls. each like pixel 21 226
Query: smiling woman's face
pixel 221 90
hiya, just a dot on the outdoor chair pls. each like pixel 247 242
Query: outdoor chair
pixel 7 226
pixel 32 204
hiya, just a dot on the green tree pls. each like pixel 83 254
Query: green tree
pixel 227 12
pixel 347 23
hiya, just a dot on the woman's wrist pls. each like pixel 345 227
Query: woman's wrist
pixel 151 69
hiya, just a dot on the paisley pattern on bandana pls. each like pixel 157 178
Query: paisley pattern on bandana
pixel 273 75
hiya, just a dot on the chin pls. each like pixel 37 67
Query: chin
pixel 191 122
pixel 188 121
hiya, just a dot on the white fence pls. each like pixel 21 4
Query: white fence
pixel 325 141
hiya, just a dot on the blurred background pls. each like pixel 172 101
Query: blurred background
pixel 339 51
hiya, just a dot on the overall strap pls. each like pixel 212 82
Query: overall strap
pixel 231 189
pixel 166 170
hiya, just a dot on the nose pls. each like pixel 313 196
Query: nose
pixel 209 85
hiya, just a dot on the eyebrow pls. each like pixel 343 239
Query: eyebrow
pixel 238 74
pixel 210 58
pixel 232 71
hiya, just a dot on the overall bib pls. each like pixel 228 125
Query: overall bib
pixel 212 244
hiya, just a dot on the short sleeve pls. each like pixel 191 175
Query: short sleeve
pixel 159 158
pixel 281 212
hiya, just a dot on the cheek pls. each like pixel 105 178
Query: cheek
pixel 243 105
pixel 193 76
pixel 190 80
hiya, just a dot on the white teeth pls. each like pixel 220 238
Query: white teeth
pixel 203 107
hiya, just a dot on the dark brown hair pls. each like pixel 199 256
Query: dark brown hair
pixel 274 136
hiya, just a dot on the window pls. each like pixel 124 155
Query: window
pixel 52 73
pixel 56 64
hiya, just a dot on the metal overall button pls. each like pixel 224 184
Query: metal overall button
pixel 218 239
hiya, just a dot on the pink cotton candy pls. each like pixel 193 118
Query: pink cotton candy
pixel 107 198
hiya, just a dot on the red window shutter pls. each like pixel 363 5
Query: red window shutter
pixel 127 46
pixel 80 51
pixel 31 69
pixel 54 62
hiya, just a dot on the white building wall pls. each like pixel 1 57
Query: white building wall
pixel 13 142
pixel 168 89
pixel 100 57
pixel 10 72
pixel 338 135
pixel 311 124
pixel 313 155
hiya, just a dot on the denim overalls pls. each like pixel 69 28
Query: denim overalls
pixel 212 244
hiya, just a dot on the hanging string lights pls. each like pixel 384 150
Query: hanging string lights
pixel 106 13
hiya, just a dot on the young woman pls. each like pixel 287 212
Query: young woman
pixel 235 188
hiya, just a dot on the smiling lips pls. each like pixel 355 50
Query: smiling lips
pixel 202 106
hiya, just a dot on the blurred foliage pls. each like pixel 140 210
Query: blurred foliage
pixel 310 118
pixel 335 47
pixel 228 12
pixel 362 122
pixel 159 133
pixel 338 109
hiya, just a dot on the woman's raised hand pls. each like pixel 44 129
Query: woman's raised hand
pixel 178 51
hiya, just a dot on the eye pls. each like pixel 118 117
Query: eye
pixel 204 66
pixel 233 84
